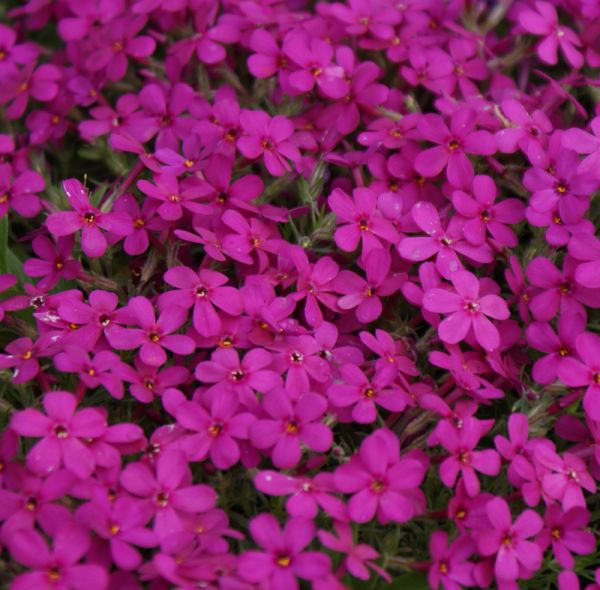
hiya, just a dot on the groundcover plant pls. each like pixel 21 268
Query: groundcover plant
pixel 299 294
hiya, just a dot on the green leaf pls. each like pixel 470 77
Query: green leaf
pixel 412 581
pixel 4 245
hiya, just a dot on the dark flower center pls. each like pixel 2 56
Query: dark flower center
pixel 296 357
pixel 284 561
pixel 89 217
pixel 53 574
pixel 291 427
pixel 162 499
pixel 104 319
pixel 215 430
pixel 61 431
pixel 154 337
pixel 453 145
pixel 471 306
pixel 368 392
pixel 237 375
pixel 31 504
pixel 201 292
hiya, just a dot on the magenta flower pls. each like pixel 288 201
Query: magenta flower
pixel 214 433
pixel 464 459
pixel 86 218
pixel 358 558
pixel 175 196
pixel 202 291
pixel 283 559
pixel 306 495
pixel 359 219
pixel 586 247
pixel 544 21
pixel 269 138
pixel 119 41
pixel 364 394
pixel 243 377
pixel 444 244
pixel 289 424
pixel 168 491
pixel 453 145
pixel 483 215
pixel 565 191
pixel 22 357
pixel 450 565
pixel 515 556
pixel 556 347
pixel 94 372
pixel 558 290
pixel 467 310
pixel 361 17
pixel 527 132
pixel 59 567
pixel 40 83
pixel 13 53
pixel 153 335
pixel 146 381
pixel 121 525
pixel 267 59
pixel 315 283
pixel 20 193
pixel 382 483
pixel 363 295
pixel 54 262
pixel 583 142
pixel 563 531
pixel 63 432
pixel 566 478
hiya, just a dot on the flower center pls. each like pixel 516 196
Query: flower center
pixel 104 319
pixel 225 342
pixel 27 355
pixel 201 292
pixel 471 306
pixel 461 514
pixel 154 337
pixel 377 486
pixel 368 392
pixel 117 46
pixel 231 135
pixel 91 372
pixel 596 378
pixel 138 223
pixel 31 504
pixel 162 499
pixel 89 217
pixel 363 225
pixel 445 241
pixel 453 145
pixel 561 188
pixel 291 428
pixel 214 430
pixel 556 534
pixel 565 289
pixel 507 541
pixel 296 357
pixel 485 215
pixel 59 264
pixel 237 375
pixel 149 384
pixel 60 431
pixel 563 352
pixel 443 568
pixel 114 529
pixel 173 198
pixel 267 144
pixel 463 457
pixel 364 21
pixel 188 163
pixel 284 561
pixel 53 574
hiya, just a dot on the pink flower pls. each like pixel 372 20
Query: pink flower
pixel 453 144
pixel 515 556
pixel 175 197
pixel 484 215
pixel 544 21
pixel 87 218
pixel 363 295
pixel 168 491
pixel 450 565
pixel 154 335
pixel 557 347
pixel 382 483
pixel 464 459
pixel 63 431
pixel 364 394
pixel 215 432
pixel 359 219
pixel 243 377
pixel 59 566
pixel 358 558
pixel 289 424
pixel 270 138
pixel 20 192
pixel 283 558
pixel 202 291
pixel 121 525
pixel 564 531
pixel 54 262
pixel 467 310
pixel 444 243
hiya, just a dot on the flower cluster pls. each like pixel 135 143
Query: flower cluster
pixel 299 294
